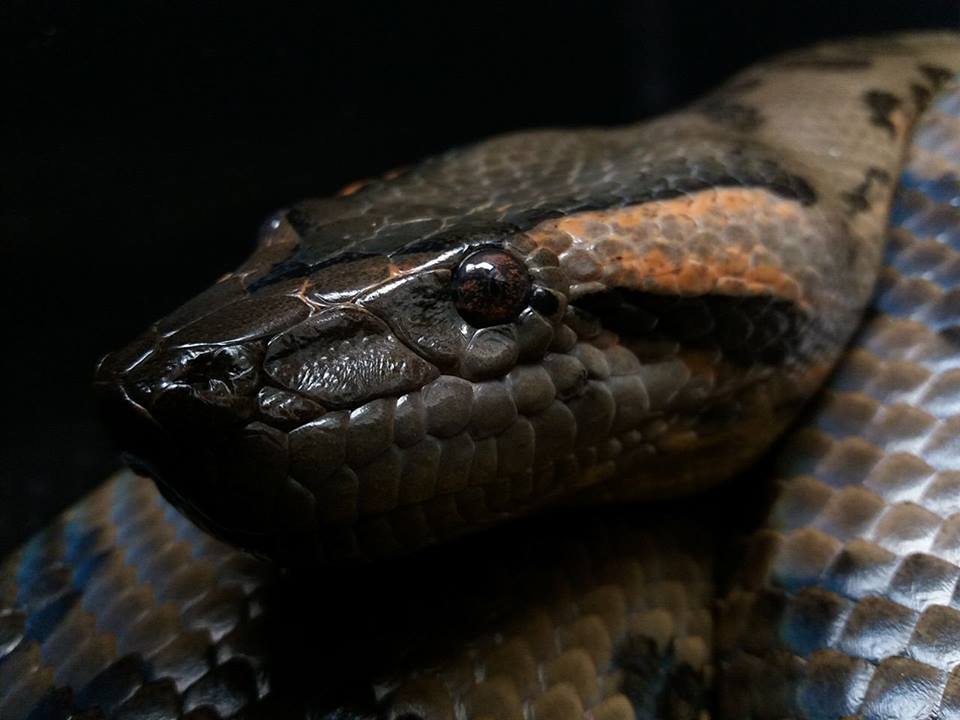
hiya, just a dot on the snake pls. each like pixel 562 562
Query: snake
pixel 537 429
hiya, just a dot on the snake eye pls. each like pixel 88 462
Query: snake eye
pixel 490 287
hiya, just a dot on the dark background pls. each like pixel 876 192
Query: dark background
pixel 143 142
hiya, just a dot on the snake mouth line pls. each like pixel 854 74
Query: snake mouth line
pixel 190 474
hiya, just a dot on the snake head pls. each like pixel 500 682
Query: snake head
pixel 296 368
pixel 539 318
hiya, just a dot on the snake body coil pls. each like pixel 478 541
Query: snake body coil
pixel 567 318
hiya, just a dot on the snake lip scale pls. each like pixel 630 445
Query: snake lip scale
pixel 577 320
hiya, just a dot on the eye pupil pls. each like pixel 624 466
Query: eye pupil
pixel 490 287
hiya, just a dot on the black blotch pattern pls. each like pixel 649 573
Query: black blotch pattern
pixel 858 199
pixel 936 74
pixel 882 104
pixel 747 329
pixel 921 96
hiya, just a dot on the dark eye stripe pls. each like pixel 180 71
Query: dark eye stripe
pixel 746 329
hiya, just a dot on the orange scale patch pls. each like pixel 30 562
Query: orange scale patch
pixel 696 278
pixel 611 248
pixel 556 242
pixel 664 246
pixel 736 264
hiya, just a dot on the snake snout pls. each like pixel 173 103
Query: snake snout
pixel 189 389
pixel 188 418
pixel 152 449
pixel 234 432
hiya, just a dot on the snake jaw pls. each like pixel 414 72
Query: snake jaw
pixel 151 451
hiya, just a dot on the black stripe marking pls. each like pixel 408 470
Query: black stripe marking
pixel 858 198
pixel 747 329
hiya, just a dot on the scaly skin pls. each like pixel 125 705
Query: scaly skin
pixel 123 608
pixel 679 288
pixel 848 606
